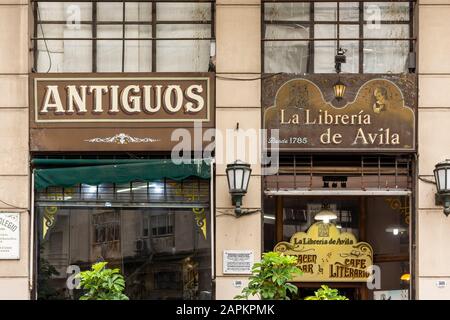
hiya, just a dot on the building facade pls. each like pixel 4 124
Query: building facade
pixel 100 97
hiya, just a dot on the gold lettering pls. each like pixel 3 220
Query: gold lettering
pixel 175 92
pixel 337 138
pixel 282 117
pixel 114 99
pixel 344 119
pixel 135 101
pixel 395 138
pixel 192 93
pixel 98 97
pixel 360 136
pixel 52 94
pixel 307 118
pixel 76 98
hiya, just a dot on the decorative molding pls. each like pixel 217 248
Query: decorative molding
pixel 200 218
pixel 48 219
pixel 402 208
pixel 121 138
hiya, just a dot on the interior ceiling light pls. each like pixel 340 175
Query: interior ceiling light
pixel 325 215
pixel 396 229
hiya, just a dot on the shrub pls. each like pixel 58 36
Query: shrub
pixel 102 284
pixel 270 277
pixel 326 293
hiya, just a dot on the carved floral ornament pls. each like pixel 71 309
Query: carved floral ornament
pixel 121 138
pixel 376 119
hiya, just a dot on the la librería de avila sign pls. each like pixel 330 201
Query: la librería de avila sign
pixel 377 119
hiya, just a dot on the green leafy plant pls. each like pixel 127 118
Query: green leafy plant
pixel 326 293
pixel 102 284
pixel 45 275
pixel 270 277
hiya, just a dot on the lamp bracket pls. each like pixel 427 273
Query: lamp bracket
pixel 438 200
pixel 443 200
pixel 245 212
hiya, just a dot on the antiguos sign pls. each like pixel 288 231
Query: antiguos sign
pixel 373 116
pixel 9 235
pixel 113 112
pixel 326 255
pixel 104 99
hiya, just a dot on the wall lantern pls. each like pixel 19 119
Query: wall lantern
pixel 238 175
pixel 442 177
pixel 339 90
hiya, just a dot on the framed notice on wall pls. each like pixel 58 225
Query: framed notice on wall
pixel 391 294
pixel 237 261
pixel 9 235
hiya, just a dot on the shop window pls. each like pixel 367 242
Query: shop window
pixel 157 233
pixel 139 36
pixel 303 37
pixel 382 221
pixel 373 204
pixel 153 265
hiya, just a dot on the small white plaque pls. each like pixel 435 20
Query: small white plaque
pixel 237 261
pixel 9 235
pixel 391 294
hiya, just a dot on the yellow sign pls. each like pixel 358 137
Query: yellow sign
pixel 324 254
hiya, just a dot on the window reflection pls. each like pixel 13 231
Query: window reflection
pixel 195 191
pixel 162 252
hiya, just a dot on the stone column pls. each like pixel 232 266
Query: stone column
pixel 238 36
pixel 14 169
pixel 433 228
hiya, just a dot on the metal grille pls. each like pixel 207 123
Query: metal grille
pixel 341 173
pixel 188 193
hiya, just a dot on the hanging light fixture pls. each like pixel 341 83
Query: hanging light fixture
pixel 339 90
pixel 339 87
pixel 325 215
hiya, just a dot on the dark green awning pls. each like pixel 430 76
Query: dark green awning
pixel 70 172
